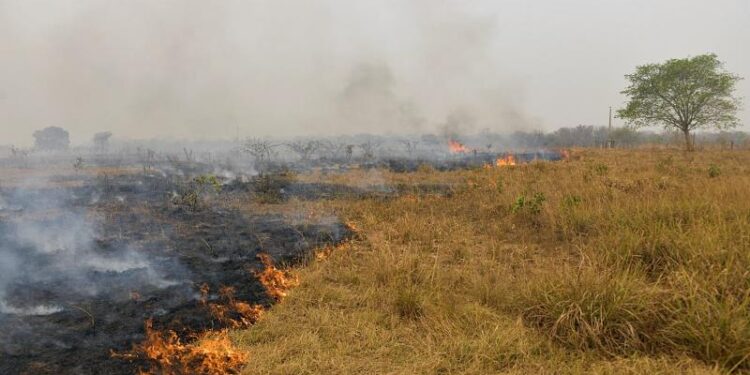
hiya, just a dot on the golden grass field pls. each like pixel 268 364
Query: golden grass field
pixel 627 261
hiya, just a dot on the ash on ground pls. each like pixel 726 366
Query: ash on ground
pixel 82 267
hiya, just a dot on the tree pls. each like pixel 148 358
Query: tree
pixel 260 149
pixel 52 138
pixel 410 146
pixel 305 149
pixel 101 141
pixel 683 94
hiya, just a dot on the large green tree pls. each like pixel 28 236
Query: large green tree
pixel 684 94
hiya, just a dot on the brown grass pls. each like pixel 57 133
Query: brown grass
pixel 614 262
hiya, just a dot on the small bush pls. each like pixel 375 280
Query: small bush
pixel 531 205
pixel 713 171
pixel 409 303
pixel 269 187
pixel 208 180
pixel 193 194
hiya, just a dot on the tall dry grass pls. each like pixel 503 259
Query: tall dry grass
pixel 613 262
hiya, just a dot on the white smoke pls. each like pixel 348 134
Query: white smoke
pixel 53 245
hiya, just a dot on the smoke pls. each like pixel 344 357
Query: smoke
pixel 369 100
pixel 193 69
pixel 51 246
pixel 456 123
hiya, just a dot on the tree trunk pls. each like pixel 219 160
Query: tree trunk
pixel 688 139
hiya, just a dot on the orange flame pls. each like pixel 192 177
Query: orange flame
pixel 231 313
pixel 565 154
pixel 211 353
pixel 507 160
pixel 276 281
pixel 457 147
pixel 327 250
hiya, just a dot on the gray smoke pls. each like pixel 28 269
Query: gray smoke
pixel 194 68
pixel 45 242
pixel 191 69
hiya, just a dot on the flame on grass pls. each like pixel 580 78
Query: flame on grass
pixel 506 160
pixel 205 353
pixel 565 154
pixel 230 312
pixel 277 282
pixel 327 250
pixel 457 147
pixel 210 353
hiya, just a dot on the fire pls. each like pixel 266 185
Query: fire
pixel 211 353
pixel 276 281
pixel 230 312
pixel 457 147
pixel 565 154
pixel 352 227
pixel 326 251
pixel 508 159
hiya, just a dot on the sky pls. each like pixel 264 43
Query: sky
pixel 196 69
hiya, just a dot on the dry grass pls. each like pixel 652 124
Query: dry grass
pixel 614 262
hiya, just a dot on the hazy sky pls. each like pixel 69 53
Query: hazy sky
pixel 197 68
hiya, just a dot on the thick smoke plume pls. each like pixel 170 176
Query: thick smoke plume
pixel 191 69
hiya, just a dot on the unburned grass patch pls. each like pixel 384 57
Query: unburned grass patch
pixel 615 262
pixel 595 309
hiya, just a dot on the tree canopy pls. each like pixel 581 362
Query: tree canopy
pixel 686 94
pixel 52 138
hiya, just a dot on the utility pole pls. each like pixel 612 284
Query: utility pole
pixel 610 141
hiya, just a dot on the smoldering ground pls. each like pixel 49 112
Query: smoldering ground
pixel 84 265
pixel 51 242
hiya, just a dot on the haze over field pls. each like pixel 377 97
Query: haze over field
pixel 193 69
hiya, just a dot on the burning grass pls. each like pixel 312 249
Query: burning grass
pixel 208 353
pixel 212 352
pixel 614 262
pixel 230 312
pixel 506 160
pixel 277 282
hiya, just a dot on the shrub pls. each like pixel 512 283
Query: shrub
pixel 713 171
pixel 409 303
pixel 532 205
pixel 208 180
pixel 269 187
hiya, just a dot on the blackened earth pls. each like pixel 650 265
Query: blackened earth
pixel 174 248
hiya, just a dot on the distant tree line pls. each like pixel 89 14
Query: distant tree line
pixel 597 136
